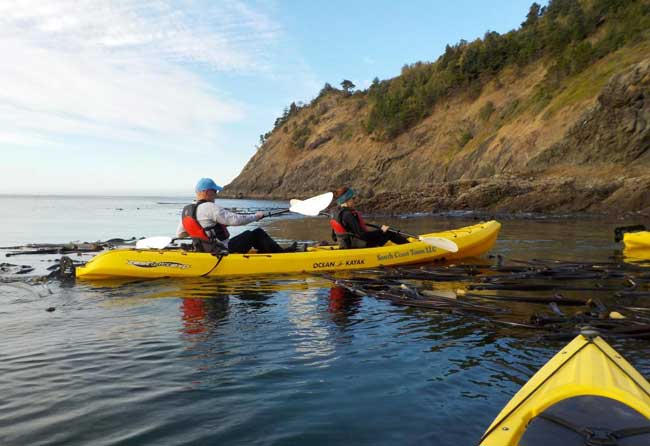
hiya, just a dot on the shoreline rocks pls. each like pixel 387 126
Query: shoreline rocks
pixel 509 195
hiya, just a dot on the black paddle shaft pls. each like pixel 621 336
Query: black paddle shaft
pixel 273 213
pixel 372 225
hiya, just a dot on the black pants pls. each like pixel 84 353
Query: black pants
pixel 257 239
pixel 379 238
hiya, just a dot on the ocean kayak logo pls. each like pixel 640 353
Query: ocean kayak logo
pixel 157 264
pixel 319 265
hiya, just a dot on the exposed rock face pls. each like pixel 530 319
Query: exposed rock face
pixel 518 194
pixel 616 130
pixel 587 154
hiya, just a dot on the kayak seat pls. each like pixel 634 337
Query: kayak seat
pixel 588 420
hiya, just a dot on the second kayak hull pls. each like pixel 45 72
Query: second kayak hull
pixel 586 382
pixel 636 246
pixel 637 240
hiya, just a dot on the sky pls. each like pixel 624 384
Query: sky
pixel 102 97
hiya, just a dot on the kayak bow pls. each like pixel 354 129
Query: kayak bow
pixel 587 394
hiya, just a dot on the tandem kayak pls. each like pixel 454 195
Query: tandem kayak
pixel 587 394
pixel 472 241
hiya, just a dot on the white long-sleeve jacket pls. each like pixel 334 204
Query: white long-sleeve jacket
pixel 208 214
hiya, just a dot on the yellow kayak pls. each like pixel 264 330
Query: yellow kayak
pixel 472 241
pixel 636 246
pixel 637 240
pixel 587 394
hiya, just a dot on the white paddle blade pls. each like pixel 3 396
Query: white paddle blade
pixel 312 206
pixel 440 242
pixel 153 242
pixel 446 294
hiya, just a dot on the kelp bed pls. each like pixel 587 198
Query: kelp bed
pixel 65 248
pixel 553 296
pixel 62 268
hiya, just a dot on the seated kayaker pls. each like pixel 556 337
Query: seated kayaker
pixel 349 228
pixel 207 224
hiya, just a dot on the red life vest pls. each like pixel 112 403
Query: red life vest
pixel 337 227
pixel 196 231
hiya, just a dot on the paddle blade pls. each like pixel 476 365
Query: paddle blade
pixel 445 294
pixel 153 242
pixel 441 243
pixel 311 206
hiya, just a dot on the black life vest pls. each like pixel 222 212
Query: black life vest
pixel 340 232
pixel 196 231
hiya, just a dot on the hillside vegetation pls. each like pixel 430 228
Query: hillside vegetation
pixel 503 122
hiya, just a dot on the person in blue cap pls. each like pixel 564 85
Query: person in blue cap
pixel 349 228
pixel 207 224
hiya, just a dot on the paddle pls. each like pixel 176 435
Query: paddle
pixel 158 242
pixel 437 242
pixel 153 242
pixel 310 207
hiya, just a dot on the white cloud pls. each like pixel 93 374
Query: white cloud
pixel 123 72
pixel 124 91
pixel 225 35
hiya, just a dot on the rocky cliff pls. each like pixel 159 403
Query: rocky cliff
pixel 503 147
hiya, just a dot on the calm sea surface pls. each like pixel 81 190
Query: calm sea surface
pixel 262 361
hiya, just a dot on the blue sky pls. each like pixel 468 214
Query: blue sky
pixel 120 97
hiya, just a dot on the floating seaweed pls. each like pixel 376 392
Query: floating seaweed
pixel 10 268
pixel 66 248
pixel 553 297
pixel 551 292
pixel 557 299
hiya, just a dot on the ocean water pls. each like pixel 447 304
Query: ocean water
pixel 287 360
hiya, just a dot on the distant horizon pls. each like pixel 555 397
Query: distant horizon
pixel 186 195
pixel 98 195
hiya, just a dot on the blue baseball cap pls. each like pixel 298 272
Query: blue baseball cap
pixel 207 184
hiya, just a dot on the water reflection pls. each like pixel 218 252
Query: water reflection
pixel 313 340
pixel 200 316
pixel 639 256
pixel 254 299
pixel 342 305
